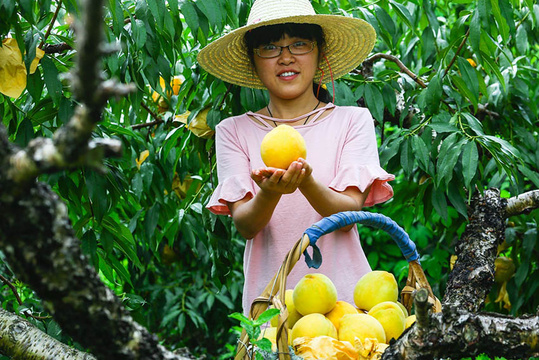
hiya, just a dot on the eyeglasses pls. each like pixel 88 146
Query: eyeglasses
pixel 297 48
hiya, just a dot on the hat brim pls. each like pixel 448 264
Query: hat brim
pixel 348 43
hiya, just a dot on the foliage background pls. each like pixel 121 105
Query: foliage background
pixel 178 268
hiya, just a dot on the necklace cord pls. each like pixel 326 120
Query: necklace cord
pixel 316 107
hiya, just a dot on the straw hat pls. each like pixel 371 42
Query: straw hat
pixel 348 42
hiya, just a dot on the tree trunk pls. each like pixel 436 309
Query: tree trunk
pixel 473 274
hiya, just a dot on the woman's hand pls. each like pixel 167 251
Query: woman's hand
pixel 281 181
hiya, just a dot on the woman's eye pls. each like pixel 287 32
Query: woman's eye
pixel 300 44
pixel 269 47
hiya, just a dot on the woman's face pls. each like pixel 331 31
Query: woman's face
pixel 288 76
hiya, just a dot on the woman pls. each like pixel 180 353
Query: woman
pixel 290 51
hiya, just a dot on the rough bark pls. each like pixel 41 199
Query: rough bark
pixel 38 241
pixel 460 330
pixel 19 339
pixel 35 232
pixel 473 274
pixel 523 203
pixel 456 333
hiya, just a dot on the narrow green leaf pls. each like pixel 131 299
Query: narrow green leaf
pixel 433 94
pixel 492 68
pixel 174 7
pixel 390 98
pixel 124 240
pixel 266 316
pixel 475 32
pixel 522 40
pixel 469 160
pixel 120 269
pixel 404 14
pixel 151 219
pixel 439 202
pixel 457 199
pixel 463 88
pixel 139 33
pixel 388 26
pixel 389 151
pixel 421 151
pixel 446 166
pixel 533 176
pixel 375 101
pixel 25 133
pixel 503 28
pixel 407 157
pixel 474 123
pixel 213 12
pixel 50 73
pixel 157 8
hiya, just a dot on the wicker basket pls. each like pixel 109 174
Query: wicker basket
pixel 274 292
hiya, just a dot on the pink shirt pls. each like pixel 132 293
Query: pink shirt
pixel 342 150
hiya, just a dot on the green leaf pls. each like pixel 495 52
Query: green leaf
pixel 390 98
pixel 533 176
pixel 492 68
pixel 421 151
pixel 97 192
pixel 375 101
pixel 456 198
pixel 387 25
pixel 120 269
pixel 522 40
pixel 157 9
pixel 469 160
pixel 433 94
pixel 403 14
pixel 266 316
pixel 474 123
pixel 469 76
pixel 150 221
pixel 407 157
pixel 139 33
pixel 390 150
pixel 475 32
pixel 213 12
pixel 503 27
pixel 463 88
pixel 439 202
pixel 25 133
pixel 50 73
pixel 124 239
pixel 447 159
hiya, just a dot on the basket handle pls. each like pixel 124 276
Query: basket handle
pixel 345 218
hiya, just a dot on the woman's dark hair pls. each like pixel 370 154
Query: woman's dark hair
pixel 270 33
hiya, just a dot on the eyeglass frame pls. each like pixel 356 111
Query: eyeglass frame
pixel 313 44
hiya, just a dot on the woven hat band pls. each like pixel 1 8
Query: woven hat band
pixel 266 10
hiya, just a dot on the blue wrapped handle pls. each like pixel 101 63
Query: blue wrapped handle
pixel 345 218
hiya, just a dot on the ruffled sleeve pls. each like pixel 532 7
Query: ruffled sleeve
pixel 232 168
pixel 231 189
pixel 359 164
pixel 363 176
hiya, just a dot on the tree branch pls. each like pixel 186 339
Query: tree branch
pixel 53 20
pixel 56 48
pixel 368 63
pixel 522 204
pixel 19 301
pixel 19 339
pixel 457 52
pixel 455 334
